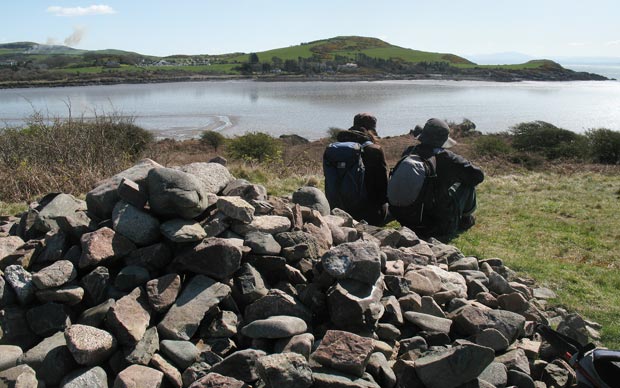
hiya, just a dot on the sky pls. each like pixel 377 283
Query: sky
pixel 538 28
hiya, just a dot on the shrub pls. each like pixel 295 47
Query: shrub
pixel 332 133
pixel 491 145
pixel 66 155
pixel 549 140
pixel 255 147
pixel 604 145
pixel 213 138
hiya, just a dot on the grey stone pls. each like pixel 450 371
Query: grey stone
pixel 62 206
pixel 495 374
pixel 129 318
pixel 216 224
pixel 354 305
pixel 423 283
pixel 142 351
pixel 379 367
pixel 574 326
pixel 9 355
pixel 138 376
pixel 240 365
pixel 420 254
pixel 515 359
pixel 555 376
pixel 236 208
pixel 181 231
pixel 21 376
pixel 453 367
pixel 498 284
pixel 276 302
pixel 393 312
pixel 329 378
pixel 153 257
pixel 214 177
pixel 388 237
pixel 472 320
pixel 50 359
pixel 183 319
pixel 301 344
pixel 278 326
pixel 174 193
pixel 88 345
pixel 544 293
pixel 101 200
pixel 358 261
pixel 466 263
pixel 522 380
pixel 514 302
pixel 265 224
pixel 493 339
pixel 224 325
pixel 397 285
pixel 96 284
pixel 103 245
pixel 213 380
pixel 428 322
pixel 94 316
pixel 313 198
pixel 302 241
pixel 246 190
pixel 284 370
pixel 94 377
pixel 344 351
pixel 445 253
pixel 21 282
pixel 131 277
pixel 215 257
pixel 172 374
pixel 47 319
pixel 55 275
pixel 262 243
pixel 131 192
pixel 387 332
pixel 23 255
pixel 137 225
pixel 163 291
pixel 7 295
pixel 429 306
pixel 248 285
pixel 181 353
pixel 69 295
pixel 9 245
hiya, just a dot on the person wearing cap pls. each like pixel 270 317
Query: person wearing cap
pixel 454 188
pixel 364 130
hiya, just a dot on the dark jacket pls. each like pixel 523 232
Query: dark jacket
pixel 451 168
pixel 376 176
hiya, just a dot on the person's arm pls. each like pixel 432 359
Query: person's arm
pixel 464 170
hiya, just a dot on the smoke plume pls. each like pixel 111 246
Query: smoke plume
pixel 76 37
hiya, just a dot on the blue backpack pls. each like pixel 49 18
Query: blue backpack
pixel 344 172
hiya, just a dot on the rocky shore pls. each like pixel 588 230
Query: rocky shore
pixel 188 277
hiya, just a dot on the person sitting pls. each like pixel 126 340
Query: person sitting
pixel 447 200
pixel 356 173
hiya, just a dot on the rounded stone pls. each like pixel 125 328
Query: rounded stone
pixel 279 326
pixel 89 345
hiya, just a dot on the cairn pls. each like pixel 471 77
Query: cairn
pixel 188 277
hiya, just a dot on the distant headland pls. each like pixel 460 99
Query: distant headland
pixel 345 58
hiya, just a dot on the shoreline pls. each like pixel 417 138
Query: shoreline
pixel 289 78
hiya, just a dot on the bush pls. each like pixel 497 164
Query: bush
pixel 549 140
pixel 604 145
pixel 332 133
pixel 213 138
pixel 491 145
pixel 255 147
pixel 66 155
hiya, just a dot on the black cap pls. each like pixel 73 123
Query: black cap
pixel 436 133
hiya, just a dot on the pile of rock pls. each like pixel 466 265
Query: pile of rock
pixel 187 277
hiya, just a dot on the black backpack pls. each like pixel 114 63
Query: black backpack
pixel 344 171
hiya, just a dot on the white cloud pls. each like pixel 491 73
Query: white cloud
pixel 99 9
pixel 613 43
pixel 577 44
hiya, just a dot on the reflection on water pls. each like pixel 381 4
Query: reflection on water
pixel 183 110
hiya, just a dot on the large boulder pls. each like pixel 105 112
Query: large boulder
pixel 101 199
pixel 62 206
pixel 213 176
pixel 215 257
pixel 344 351
pixel 313 198
pixel 358 261
pixel 135 224
pixel 174 193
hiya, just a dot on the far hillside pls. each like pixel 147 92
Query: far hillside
pixel 26 64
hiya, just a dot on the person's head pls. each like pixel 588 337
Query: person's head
pixel 436 133
pixel 366 122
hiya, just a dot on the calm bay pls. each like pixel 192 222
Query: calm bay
pixel 309 109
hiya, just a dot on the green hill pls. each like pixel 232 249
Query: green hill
pixel 350 47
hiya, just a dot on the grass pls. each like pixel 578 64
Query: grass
pixel 559 230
